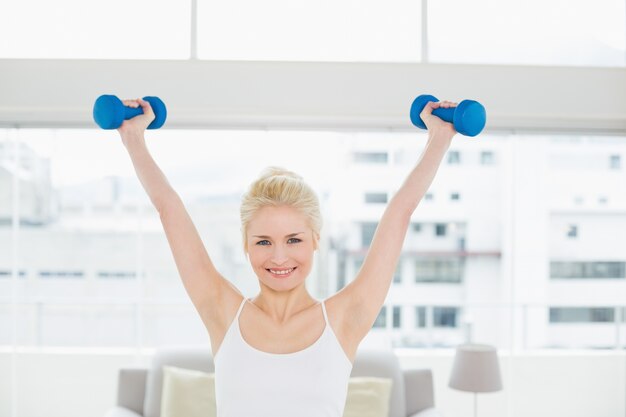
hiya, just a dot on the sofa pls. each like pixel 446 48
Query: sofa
pixel 139 389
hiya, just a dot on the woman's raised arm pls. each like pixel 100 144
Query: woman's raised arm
pixel 203 283
pixel 364 297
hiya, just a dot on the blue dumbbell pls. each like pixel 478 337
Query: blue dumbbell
pixel 468 117
pixel 109 112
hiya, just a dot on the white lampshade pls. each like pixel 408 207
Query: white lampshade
pixel 476 369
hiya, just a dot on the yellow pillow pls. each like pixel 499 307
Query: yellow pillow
pixel 191 393
pixel 187 393
pixel 368 396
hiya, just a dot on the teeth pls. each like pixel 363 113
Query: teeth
pixel 281 272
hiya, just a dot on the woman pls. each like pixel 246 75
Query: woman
pixel 285 354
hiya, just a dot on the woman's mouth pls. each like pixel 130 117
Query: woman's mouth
pixel 285 273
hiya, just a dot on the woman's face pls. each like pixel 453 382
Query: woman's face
pixel 279 239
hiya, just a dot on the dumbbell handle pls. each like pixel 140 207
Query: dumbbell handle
pixel 130 112
pixel 445 114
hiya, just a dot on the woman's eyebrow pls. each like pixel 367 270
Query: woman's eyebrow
pixel 269 237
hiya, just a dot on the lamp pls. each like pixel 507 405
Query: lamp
pixel 475 369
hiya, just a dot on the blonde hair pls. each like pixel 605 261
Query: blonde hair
pixel 279 187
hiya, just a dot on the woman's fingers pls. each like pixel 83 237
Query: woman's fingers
pixel 130 103
pixel 147 109
pixel 446 104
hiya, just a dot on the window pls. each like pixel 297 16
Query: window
pixel 375 198
pixel 455 196
pixel 615 162
pixel 440 229
pixel 367 233
pixel 370 157
pixel 61 274
pixel 116 274
pixel 429 197
pixel 358 263
pixel 417 227
pixel 7 273
pixel 572 231
pixel 587 270
pixel 381 320
pixel 445 316
pixel 581 315
pixel 576 32
pixel 454 158
pixel 486 158
pixel 397 274
pixel 438 270
pixel 420 317
pixel 324 30
pixel 397 317
pixel 88 29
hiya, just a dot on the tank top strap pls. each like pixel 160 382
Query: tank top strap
pixel 240 308
pixel 325 315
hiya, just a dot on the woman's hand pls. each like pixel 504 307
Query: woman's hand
pixel 133 129
pixel 435 125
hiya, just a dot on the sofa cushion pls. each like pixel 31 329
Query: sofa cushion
pixel 187 393
pixel 198 358
pixel 191 393
pixel 368 397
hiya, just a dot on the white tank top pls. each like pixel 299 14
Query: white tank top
pixel 312 382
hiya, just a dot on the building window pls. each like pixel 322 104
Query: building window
pixel 370 157
pixel 440 229
pixel 417 227
pixel 582 315
pixel 572 230
pixel 616 162
pixel 587 270
pixel 357 264
pixel 486 158
pixel 429 197
pixel 454 158
pixel 397 317
pixel 61 274
pixel 420 317
pixel 381 320
pixel 397 274
pixel 7 274
pixel 375 198
pixel 367 233
pixel 445 316
pixel 116 274
pixel 455 196
pixel 439 270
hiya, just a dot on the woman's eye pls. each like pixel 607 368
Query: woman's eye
pixel 293 238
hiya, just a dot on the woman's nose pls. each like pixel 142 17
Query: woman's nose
pixel 279 256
